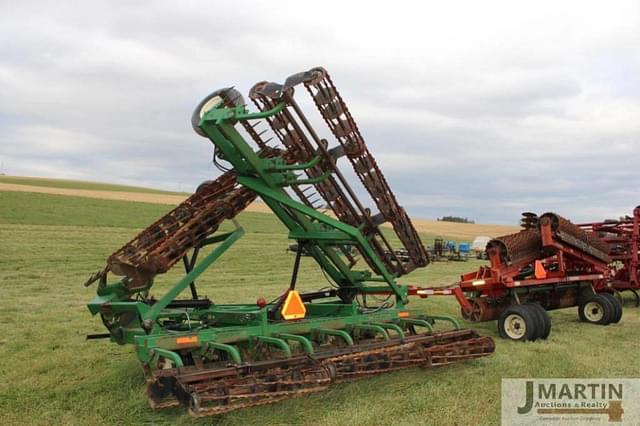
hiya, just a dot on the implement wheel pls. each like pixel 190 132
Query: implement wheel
pixel 617 307
pixel 544 320
pixel 228 97
pixel 518 322
pixel 596 309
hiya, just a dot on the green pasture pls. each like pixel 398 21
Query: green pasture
pixel 49 374
pixel 79 184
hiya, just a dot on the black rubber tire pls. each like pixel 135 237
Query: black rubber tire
pixel 545 329
pixel 529 320
pixel 539 320
pixel 612 310
pixel 581 311
pixel 617 307
pixel 603 303
pixel 229 95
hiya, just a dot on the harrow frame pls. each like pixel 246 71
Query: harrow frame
pixel 623 239
pixel 174 336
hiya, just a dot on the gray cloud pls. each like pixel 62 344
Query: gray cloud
pixel 479 109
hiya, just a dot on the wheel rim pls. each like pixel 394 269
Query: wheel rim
pixel 593 311
pixel 515 326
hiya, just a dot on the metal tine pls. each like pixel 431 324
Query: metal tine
pixel 262 106
pixel 334 110
pixel 290 133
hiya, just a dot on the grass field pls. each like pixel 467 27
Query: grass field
pixel 79 184
pixel 457 231
pixel 50 244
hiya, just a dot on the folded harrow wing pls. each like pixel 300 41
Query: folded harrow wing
pixel 214 358
pixel 550 264
pixel 622 237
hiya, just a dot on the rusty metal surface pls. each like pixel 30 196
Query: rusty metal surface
pixel 515 247
pixel 339 119
pixel 215 391
pixel 332 190
pixel 297 136
pixel 572 234
pixel 207 398
pixel 529 220
pixel 157 248
pixel 482 310
pixel 526 243
pixel 622 236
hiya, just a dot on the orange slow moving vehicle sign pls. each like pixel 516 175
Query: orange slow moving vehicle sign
pixel 539 271
pixel 293 307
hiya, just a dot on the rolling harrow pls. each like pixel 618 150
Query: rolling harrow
pixel 214 358
pixel 622 237
pixel 550 264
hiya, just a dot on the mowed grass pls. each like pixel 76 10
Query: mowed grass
pixel 80 184
pixel 50 244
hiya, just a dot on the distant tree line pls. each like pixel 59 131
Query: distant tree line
pixel 456 219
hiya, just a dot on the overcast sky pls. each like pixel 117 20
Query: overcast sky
pixel 479 109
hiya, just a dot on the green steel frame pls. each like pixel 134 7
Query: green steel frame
pixel 268 177
pixel 233 331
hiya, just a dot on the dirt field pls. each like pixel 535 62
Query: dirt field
pixel 457 230
pixel 142 197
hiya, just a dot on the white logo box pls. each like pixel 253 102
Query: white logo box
pixel 570 402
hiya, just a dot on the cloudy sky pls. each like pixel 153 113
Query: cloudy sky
pixel 478 109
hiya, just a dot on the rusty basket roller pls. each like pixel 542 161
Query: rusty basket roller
pixel 156 249
pixel 513 248
pixel 574 235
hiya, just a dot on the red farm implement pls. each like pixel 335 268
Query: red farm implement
pixel 622 237
pixel 550 264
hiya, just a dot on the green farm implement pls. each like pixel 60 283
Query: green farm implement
pixel 214 358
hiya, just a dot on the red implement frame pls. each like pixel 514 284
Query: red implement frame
pixel 623 239
pixel 552 264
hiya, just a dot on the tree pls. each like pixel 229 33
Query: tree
pixel 456 219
